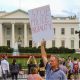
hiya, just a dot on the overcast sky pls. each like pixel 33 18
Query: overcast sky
pixel 56 6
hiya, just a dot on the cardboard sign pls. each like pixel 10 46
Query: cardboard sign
pixel 41 24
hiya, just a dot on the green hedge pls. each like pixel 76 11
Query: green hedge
pixel 48 50
pixel 29 50
pixel 5 49
pixel 60 50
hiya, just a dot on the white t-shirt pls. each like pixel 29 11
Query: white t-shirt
pixel 0 71
pixel 4 65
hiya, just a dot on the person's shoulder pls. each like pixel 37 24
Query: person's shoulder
pixel 17 64
pixel 38 76
pixel 61 72
pixel 48 64
pixel 3 61
pixel 29 76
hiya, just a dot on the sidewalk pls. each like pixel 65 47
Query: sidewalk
pixel 24 77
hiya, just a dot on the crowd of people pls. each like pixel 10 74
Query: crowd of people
pixel 54 68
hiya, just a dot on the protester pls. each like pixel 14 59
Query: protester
pixel 42 68
pixel 63 61
pixel 34 74
pixel 70 64
pixel 14 69
pixel 72 77
pixel 75 68
pixel 31 63
pixel 69 73
pixel 52 66
pixel 63 67
pixel 70 67
pixel 5 67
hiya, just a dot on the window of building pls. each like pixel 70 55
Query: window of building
pixel 54 30
pixel 62 43
pixel 30 43
pixel 72 31
pixel 62 31
pixel 53 43
pixel 29 28
pixel 8 31
pixel 72 44
pixel 19 30
pixel 8 43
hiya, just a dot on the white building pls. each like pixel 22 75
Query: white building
pixel 15 27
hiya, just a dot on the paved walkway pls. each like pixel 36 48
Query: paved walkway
pixel 24 77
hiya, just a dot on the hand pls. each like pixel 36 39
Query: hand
pixel 33 57
pixel 30 56
pixel 43 43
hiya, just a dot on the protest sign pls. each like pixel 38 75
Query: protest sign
pixel 41 24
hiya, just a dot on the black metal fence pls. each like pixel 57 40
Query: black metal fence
pixel 22 74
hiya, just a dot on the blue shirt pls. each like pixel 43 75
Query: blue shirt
pixel 54 75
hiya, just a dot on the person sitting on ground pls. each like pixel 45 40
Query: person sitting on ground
pixel 52 66
pixel 34 74
pixel 31 63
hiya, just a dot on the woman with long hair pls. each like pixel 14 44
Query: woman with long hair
pixel 34 74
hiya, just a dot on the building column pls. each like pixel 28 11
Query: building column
pixel 13 35
pixel 25 36
pixel 1 35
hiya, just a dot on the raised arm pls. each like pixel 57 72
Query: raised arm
pixel 29 59
pixel 43 52
pixel 34 60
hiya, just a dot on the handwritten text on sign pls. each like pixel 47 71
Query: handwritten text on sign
pixel 41 23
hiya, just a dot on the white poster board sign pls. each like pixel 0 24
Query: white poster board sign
pixel 41 24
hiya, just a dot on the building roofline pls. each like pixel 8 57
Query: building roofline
pixel 13 12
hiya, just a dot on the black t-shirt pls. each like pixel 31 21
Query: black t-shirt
pixel 42 70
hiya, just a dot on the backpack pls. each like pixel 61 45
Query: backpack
pixel 75 67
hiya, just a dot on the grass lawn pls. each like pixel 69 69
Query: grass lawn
pixel 66 55
pixel 23 61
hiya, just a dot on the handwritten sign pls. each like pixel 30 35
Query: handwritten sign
pixel 41 23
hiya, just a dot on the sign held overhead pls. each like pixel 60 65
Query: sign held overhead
pixel 41 24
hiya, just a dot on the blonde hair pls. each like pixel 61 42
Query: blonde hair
pixel 34 70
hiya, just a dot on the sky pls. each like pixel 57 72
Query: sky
pixel 70 7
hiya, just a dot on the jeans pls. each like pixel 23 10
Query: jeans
pixel 5 74
pixel 14 76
